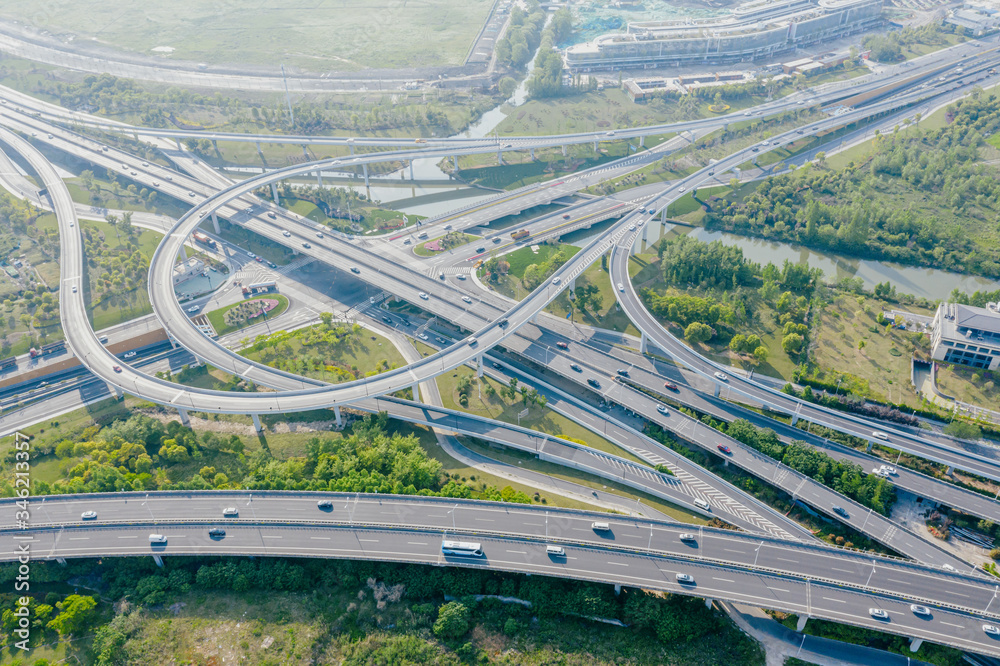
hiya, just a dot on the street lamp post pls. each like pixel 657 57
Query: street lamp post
pixel 757 551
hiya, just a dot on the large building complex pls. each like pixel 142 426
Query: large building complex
pixel 967 335
pixel 753 30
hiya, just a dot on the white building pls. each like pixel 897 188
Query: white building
pixel 967 335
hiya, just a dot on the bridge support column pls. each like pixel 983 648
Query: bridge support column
pixel 351 146
pixel 947 471
pixel 663 215
pixel 802 623
pixel 454 163
pixel 411 170
pixel 572 285
pixel 499 158
pixel 259 152
pixel 532 152
pixel 479 366
pixel 61 560
pixel 256 423
pixel 717 389
pixel 305 151
pixel 795 419
pixel 158 560
pixel 319 178
pixel 365 166
pixel 595 146
pixel 618 589
pixel 643 344
pixel 184 416
pixel 116 391
pixel 336 413
pixel 915 644
pixel 274 193
pixel 709 602
pixel 182 254
pixel 178 142
pixel 868 449
pixel 416 392
pixel 642 141
pixel 564 151
pixel 215 223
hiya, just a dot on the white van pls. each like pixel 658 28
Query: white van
pixel 555 551
pixel 702 504
pixel 157 538
pixel 878 434
pixel 601 527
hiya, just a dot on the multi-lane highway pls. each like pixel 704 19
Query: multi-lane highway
pixel 810 579
pixel 274 527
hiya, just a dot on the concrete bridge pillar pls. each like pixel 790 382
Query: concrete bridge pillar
pixel 642 141
pixel 336 413
pixel 454 163
pixel 663 215
pixel 915 644
pixel 215 222
pixel 116 391
pixel 158 560
pixel 595 146
pixel 256 423
pixel 801 623
pixel 709 602
pixel 274 193
pixel 182 253
pixel 365 167
pixel 636 245
pixel 643 344
pixel 479 366
pixel 259 152
pixel 319 178
pixel 572 284
pixel 618 589
pixel 868 449
pixel 184 416
pixel 416 392
pixel 305 151
pixel 61 560
pixel 717 389
pixel 178 142
pixel 411 170
pixel 499 158
pixel 795 419
pixel 532 152
pixel 351 146
pixel 948 471
pixel 564 150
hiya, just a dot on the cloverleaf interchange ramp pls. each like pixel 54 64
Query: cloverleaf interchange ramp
pixel 86 344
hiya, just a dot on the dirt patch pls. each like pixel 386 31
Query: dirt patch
pixel 232 428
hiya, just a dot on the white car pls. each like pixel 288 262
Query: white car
pixel 194 308
pixel 231 511
pixel 661 409
pixel 686 537
pixel 129 354
pixel 878 471
pixel 251 255
pixel 74 288
pixel 621 287
pixel 190 193
pixel 878 434
pixel 889 469
pixel 682 190
pixel 88 515
pixel 684 579
pixel 556 280
pixel 992 630
pixel 422 336
pixel 423 296
pixel 319 234
pixel 157 538
pixel 721 376
pixel 920 610
pixel 156 183
pixel 286 233
pixel 466 299
pixel 878 613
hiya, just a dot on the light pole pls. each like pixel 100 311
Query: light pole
pixel 649 545
pixel 145 503
pixel 992 598
pixel 867 517
pixel 871 574
pixel 757 551
pixel 452 512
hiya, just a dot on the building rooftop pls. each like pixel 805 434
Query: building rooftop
pixel 977 319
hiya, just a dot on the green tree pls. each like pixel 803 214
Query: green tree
pixel 507 86
pixel 698 332
pixel 452 621
pixel 75 613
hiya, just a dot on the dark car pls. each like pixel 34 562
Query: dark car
pixel 387 320
pixel 593 382
pixel 356 270
pixel 503 323
pixel 217 533
pixel 480 249
pixel 497 366
pixel 576 367
pixel 622 372
pixel 725 449
pixel 497 239
pixel 670 385
pixel 839 510
pixel 324 505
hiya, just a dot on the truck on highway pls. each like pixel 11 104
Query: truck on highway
pixel 521 233
pixel 203 239
pixel 259 287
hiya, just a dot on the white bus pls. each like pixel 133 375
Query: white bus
pixel 462 548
